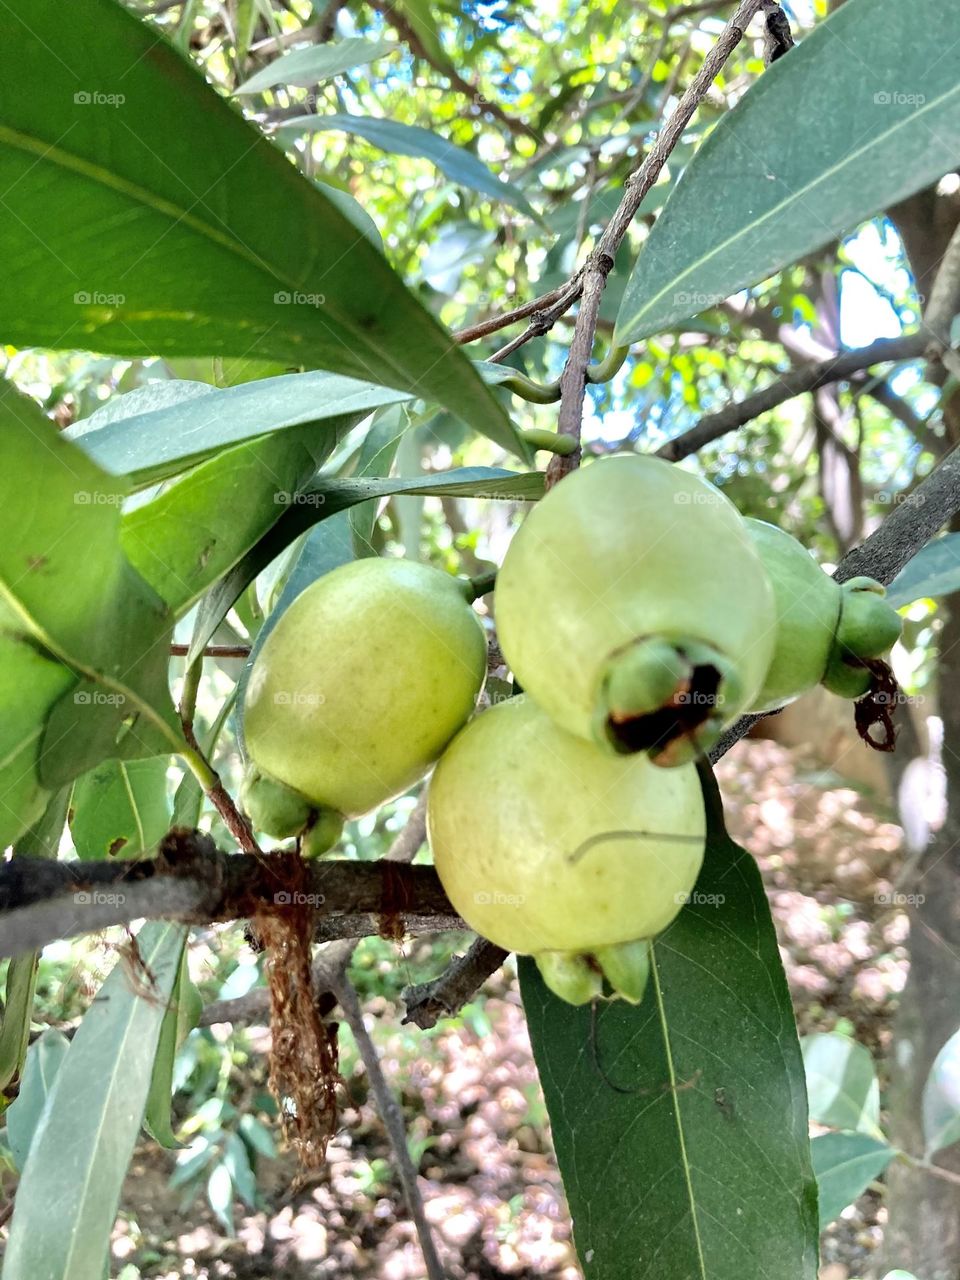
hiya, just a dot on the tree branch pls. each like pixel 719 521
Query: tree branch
pixel 193 881
pixel 427 1002
pixel 796 382
pixel 600 262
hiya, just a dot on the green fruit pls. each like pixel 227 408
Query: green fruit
pixel 808 614
pixel 356 692
pixel 824 630
pixel 869 628
pixel 632 605
pixel 551 847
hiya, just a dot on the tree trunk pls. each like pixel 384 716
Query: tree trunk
pixel 923 1228
pixel 923 1225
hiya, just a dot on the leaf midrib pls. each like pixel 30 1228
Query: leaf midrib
pixel 675 1102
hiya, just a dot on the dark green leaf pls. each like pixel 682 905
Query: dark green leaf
pixel 460 166
pixel 197 529
pixel 701 1168
pixel 845 1165
pixel 92 1116
pixel 933 572
pixel 196 240
pixel 773 183
pixel 120 809
pixel 15 1019
pixel 42 839
pixel 318 62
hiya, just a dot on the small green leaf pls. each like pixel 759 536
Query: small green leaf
pixel 459 165
pixel 180 1018
pixel 304 68
pixel 120 809
pixel 773 183
pixel 941 1099
pixel 377 454
pixel 842 1088
pixel 845 1165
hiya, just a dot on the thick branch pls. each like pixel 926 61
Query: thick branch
pixel 193 881
pixel 796 382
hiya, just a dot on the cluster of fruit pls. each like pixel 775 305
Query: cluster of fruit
pixel 641 615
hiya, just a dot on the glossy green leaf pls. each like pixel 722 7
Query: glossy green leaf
pixel 941 1099
pixel 68 1195
pixel 773 183
pixel 933 572
pixel 306 67
pixel 83 639
pixel 44 1059
pixel 680 1125
pixel 326 497
pixel 196 240
pixel 197 529
pixel 845 1165
pixel 178 1021
pixel 459 165
pixel 842 1087
pixel 120 809
pixel 135 435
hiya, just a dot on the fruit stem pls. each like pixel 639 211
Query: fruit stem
pixel 481 585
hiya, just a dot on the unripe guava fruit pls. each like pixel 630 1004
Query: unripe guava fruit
pixel 633 606
pixel 356 692
pixel 825 629
pixel 549 846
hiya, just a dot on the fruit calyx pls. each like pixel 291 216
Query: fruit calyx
pixel 282 812
pixel 666 697
pixel 580 978
pixel 867 629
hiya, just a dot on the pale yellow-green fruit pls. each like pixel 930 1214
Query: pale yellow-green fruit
pixel 633 606
pixel 808 614
pixel 826 630
pixel 545 844
pixel 360 686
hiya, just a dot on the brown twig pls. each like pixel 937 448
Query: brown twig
pixel 393 1121
pixel 795 382
pixel 427 1002
pixel 213 651
pixel 597 268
